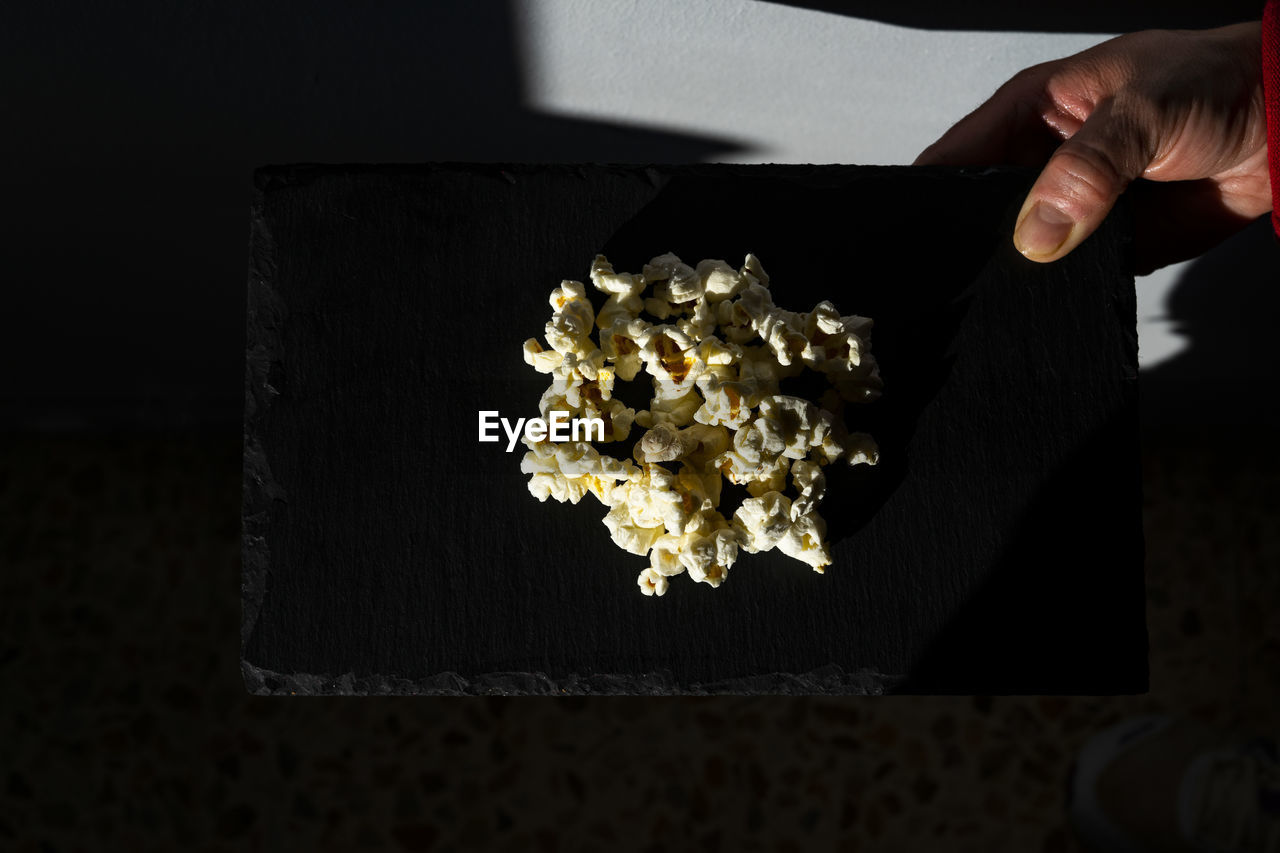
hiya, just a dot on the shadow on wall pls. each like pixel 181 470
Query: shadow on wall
pixel 1225 304
pixel 1083 16
pixel 162 111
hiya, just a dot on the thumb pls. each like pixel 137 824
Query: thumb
pixel 1080 184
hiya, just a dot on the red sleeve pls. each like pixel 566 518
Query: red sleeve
pixel 1271 94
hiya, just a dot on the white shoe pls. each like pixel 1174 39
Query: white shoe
pixel 1155 784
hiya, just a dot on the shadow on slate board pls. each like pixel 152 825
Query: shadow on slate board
pixel 996 548
pixel 829 260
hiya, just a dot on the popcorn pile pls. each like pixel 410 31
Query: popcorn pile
pixel 716 358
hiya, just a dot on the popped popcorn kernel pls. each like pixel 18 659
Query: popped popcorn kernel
pixel 805 540
pixel 717 357
pixel 652 583
pixel 719 280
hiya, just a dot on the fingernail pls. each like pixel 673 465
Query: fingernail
pixel 1042 231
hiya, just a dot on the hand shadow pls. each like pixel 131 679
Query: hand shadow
pixel 851 236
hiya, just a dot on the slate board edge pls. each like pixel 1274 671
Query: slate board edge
pixel 827 681
pixel 280 175
pixel 259 487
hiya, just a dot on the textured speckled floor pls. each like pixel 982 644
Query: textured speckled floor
pixel 127 727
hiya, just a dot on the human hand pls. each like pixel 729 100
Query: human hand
pixel 1180 107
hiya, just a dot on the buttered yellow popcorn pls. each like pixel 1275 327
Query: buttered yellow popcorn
pixel 665 443
pixel 624 285
pixel 568 471
pixel 620 346
pixel 712 441
pixel 726 403
pixel 670 356
pixel 674 281
pixel 783 332
pixel 770 476
pixel 860 384
pixel 718 352
pixel 672 404
pixel 539 358
pixel 707 550
pixel 719 280
pixel 628 534
pixel 570 326
pixel 805 540
pixel 652 583
pixel 763 521
pixel 810 483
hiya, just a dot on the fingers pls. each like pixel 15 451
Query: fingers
pixel 999 131
pixel 1179 220
pixel 977 139
pixel 1080 184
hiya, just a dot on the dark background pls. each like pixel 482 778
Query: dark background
pixel 132 134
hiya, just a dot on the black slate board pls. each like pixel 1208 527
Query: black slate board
pixel 996 549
